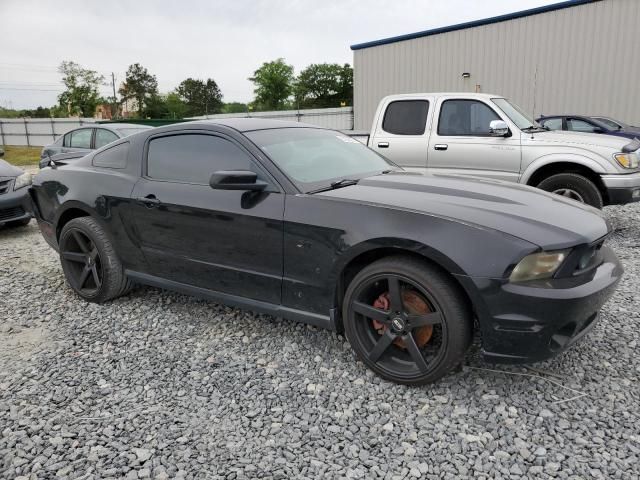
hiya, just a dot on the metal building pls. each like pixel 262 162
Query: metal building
pixel 578 56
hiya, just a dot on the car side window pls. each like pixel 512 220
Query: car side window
pixel 465 118
pixel 113 157
pixel 104 137
pixel 81 138
pixel 193 158
pixel 552 123
pixel 66 142
pixel 406 117
pixel 577 125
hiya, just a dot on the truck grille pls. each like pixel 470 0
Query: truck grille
pixel 4 185
pixel 11 213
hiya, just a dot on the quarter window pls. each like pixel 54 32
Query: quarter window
pixel 406 117
pixel 81 138
pixel 576 125
pixel 113 157
pixel 465 118
pixel 193 158
pixel 104 137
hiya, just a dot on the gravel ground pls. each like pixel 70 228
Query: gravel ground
pixel 160 385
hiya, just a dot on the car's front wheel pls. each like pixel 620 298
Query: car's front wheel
pixel 573 186
pixel 89 261
pixel 407 320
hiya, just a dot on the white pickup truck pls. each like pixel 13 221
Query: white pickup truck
pixel 488 136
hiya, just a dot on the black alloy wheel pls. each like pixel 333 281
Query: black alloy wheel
pixel 90 264
pixel 407 320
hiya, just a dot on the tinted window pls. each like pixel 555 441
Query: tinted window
pixel 580 125
pixel 114 157
pixel 81 138
pixel 193 158
pixel 67 140
pixel 465 117
pixel 609 123
pixel 408 117
pixel 552 123
pixel 104 136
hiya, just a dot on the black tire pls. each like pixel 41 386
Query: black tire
pixel 19 223
pixel 393 351
pixel 574 186
pixel 89 261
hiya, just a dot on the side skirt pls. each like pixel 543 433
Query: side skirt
pixel 322 321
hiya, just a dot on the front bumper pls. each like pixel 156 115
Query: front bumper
pixel 15 206
pixel 622 188
pixel 523 324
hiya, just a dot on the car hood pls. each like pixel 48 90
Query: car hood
pixel 8 170
pixel 579 139
pixel 546 220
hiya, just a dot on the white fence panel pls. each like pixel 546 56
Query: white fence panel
pixel 37 132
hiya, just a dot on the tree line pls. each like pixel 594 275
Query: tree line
pixel 276 87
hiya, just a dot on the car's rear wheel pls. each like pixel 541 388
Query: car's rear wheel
pixel 89 261
pixel 407 320
pixel 573 186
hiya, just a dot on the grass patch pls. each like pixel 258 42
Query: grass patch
pixel 22 156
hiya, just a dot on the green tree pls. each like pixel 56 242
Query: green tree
pixel 274 85
pixel 324 85
pixel 141 86
pixel 201 98
pixel 81 89
pixel 234 107
pixel 176 108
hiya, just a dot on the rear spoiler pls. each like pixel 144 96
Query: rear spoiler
pixel 631 147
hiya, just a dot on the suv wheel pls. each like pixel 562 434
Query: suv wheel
pixel 573 186
pixel 89 261
pixel 406 320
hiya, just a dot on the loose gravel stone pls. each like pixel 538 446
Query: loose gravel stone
pixel 164 386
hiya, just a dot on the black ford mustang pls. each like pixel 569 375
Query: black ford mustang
pixel 309 224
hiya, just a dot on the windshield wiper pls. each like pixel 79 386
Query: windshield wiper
pixel 345 182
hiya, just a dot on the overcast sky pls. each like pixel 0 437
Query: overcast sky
pixel 224 40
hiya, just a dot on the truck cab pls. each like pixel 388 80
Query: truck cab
pixel 488 136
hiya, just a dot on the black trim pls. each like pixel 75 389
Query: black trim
pixel 474 23
pixel 323 321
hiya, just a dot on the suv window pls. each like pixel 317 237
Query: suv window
pixel 406 117
pixel 576 125
pixel 104 137
pixel 81 138
pixel 552 123
pixel 113 157
pixel 192 158
pixel 465 118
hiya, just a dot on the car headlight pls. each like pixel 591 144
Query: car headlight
pixel 538 266
pixel 627 160
pixel 22 181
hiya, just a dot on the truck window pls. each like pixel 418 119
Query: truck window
pixel 406 117
pixel 465 118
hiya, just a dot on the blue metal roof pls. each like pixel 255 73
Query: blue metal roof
pixel 475 23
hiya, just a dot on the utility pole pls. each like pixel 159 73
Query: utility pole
pixel 114 114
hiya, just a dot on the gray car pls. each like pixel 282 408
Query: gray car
pixel 91 137
pixel 15 203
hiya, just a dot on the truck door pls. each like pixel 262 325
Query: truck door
pixel 401 131
pixel 461 142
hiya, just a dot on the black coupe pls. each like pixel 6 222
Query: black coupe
pixel 309 224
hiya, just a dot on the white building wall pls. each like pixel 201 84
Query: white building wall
pixel 586 57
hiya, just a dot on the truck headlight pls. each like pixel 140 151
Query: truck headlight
pixel 627 160
pixel 22 181
pixel 538 266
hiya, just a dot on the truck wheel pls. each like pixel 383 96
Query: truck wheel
pixel 573 186
pixel 407 320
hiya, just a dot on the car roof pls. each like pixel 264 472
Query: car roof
pixel 250 124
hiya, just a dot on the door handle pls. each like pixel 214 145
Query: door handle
pixel 440 146
pixel 149 200
pixel 383 144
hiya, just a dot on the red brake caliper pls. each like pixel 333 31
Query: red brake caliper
pixel 415 305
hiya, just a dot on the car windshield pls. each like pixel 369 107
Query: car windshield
pixel 314 158
pixel 125 132
pixel 515 114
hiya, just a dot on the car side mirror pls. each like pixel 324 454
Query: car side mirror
pixel 498 128
pixel 236 180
